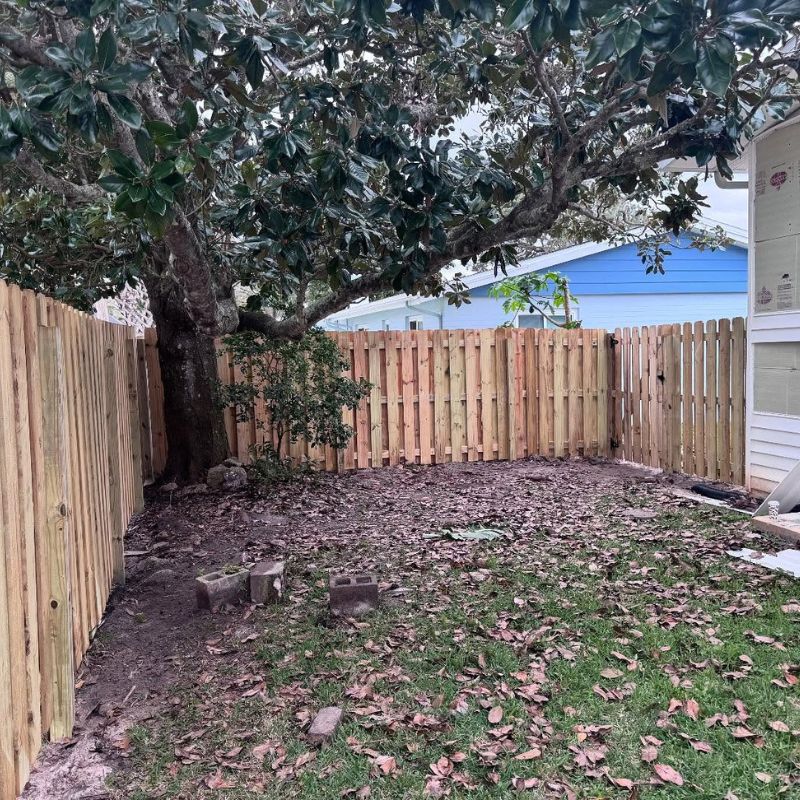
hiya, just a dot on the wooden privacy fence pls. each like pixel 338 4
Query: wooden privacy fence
pixel 70 478
pixel 679 397
pixel 461 395
pixel 667 396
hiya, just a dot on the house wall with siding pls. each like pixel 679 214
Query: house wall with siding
pixel 613 290
pixel 773 440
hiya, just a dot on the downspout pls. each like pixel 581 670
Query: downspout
pixel 725 183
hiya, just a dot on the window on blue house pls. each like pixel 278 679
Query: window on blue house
pixel 538 321
pixel 415 323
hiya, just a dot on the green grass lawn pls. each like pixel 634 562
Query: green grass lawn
pixel 595 658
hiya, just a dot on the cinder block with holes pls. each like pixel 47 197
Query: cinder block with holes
pixel 353 595
pixel 222 588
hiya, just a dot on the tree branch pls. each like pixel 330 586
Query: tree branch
pixel 74 192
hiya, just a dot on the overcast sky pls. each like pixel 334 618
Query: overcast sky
pixel 728 206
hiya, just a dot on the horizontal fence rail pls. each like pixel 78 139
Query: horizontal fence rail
pixel 678 397
pixel 70 478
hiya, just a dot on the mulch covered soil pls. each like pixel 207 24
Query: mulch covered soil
pixel 603 646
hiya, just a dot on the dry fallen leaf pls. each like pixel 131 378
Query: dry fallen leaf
pixel 780 727
pixel 216 781
pixel 528 755
pixel 668 774
pixel 649 754
pixel 692 709
pixel 764 777
pixel 495 715
pixel 611 672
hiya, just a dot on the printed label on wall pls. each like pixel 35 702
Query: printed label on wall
pixel 776 275
pixel 777 189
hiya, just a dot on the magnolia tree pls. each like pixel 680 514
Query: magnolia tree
pixel 306 150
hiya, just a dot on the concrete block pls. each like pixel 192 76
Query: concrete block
pixel 353 595
pixel 218 588
pixel 266 582
pixel 324 725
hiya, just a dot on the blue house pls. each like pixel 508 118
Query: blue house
pixel 609 281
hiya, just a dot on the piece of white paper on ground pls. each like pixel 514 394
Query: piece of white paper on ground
pixel 784 561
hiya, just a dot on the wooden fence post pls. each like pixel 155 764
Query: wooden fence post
pixel 133 421
pixel 113 427
pixel 57 533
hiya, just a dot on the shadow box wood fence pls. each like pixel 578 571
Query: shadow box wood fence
pixel 678 397
pixel 460 395
pixel 666 396
pixel 70 478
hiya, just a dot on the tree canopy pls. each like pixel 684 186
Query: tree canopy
pixel 285 145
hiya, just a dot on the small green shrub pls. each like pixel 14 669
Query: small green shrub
pixel 303 390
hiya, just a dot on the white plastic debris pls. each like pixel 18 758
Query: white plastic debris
pixel 785 561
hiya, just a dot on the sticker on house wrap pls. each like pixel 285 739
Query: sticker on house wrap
pixel 764 297
pixel 778 179
pixel 786 292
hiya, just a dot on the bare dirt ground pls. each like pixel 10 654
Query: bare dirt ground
pixel 154 645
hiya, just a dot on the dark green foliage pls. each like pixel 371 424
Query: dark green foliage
pixel 302 388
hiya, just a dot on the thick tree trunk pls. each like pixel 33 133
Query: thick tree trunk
pixel 195 428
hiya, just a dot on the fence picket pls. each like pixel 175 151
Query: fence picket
pixel 472 385
pixel 488 383
pixel 424 392
pixel 739 348
pixel 712 465
pixel 392 396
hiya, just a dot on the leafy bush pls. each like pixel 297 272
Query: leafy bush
pixel 303 390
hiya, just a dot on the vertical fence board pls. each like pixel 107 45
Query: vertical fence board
pixel 700 397
pixel 392 396
pixel 724 395
pixel 458 392
pixel 24 463
pixel 441 390
pixel 739 349
pixel 40 555
pixel 488 383
pixel 13 557
pixel 712 465
pixel 472 389
pixel 501 391
pixel 545 383
pixel 687 398
pixel 424 408
pixel 409 403
pixel 602 355
pixel 560 412
pixel 375 415
pixel 58 529
pixel 363 431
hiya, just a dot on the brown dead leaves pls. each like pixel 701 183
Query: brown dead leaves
pixel 668 774
pixel 495 715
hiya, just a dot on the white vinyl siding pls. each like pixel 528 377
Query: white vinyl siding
pixel 773 440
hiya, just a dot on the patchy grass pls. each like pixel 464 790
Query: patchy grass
pixel 629 659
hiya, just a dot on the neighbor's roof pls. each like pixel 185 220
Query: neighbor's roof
pixel 478 279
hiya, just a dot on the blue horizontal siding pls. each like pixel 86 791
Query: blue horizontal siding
pixel 686 270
